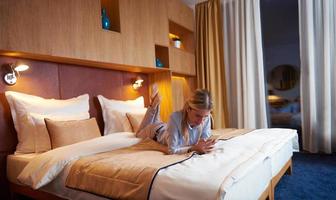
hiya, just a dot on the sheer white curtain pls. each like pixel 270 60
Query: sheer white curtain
pixel 317 19
pixel 244 63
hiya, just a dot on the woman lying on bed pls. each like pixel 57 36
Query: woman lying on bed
pixel 187 130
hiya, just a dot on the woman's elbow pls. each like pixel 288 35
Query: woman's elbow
pixel 172 151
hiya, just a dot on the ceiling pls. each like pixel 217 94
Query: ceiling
pixel 192 3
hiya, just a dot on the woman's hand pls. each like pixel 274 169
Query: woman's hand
pixel 204 146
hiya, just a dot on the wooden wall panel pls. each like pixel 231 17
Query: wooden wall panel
pixel 76 80
pixel 160 26
pixel 72 29
pixel 182 88
pixel 181 61
pixel 80 33
pixel 136 21
pixel 66 28
pixel 20 19
pixel 178 85
pixel 181 14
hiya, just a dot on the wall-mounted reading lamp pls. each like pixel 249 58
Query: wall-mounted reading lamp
pixel 13 73
pixel 137 83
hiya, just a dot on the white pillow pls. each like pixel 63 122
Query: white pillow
pixel 138 102
pixel 114 113
pixel 27 110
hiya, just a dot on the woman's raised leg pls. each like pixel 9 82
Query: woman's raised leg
pixel 152 116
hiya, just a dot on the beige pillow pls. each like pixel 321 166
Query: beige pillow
pixel 135 119
pixel 41 137
pixel 69 132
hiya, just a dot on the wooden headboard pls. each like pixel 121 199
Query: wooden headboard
pixel 61 81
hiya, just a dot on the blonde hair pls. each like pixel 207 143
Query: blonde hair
pixel 200 100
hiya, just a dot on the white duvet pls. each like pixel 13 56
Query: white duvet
pixel 208 176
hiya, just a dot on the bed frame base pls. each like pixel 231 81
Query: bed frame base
pixel 268 194
pixel 286 169
pixel 16 190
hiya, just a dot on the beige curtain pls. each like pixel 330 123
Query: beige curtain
pixel 244 65
pixel 209 58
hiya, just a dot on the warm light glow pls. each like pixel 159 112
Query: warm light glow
pixel 137 83
pixel 179 77
pixel 21 68
pixel 173 36
pixel 273 98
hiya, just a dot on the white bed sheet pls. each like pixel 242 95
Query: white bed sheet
pixel 251 186
pixel 283 151
pixel 271 149
pixel 192 187
pixel 262 168
pixel 280 157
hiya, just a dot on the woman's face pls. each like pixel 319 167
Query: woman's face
pixel 196 116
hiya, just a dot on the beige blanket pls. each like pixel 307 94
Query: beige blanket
pixel 228 133
pixel 122 174
pixel 128 173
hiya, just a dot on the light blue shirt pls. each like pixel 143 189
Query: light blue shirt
pixel 172 136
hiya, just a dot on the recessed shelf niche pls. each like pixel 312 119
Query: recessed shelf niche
pixel 162 53
pixel 185 35
pixel 112 12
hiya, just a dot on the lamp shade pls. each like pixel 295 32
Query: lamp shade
pixel 21 68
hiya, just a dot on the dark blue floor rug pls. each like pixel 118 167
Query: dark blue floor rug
pixel 313 178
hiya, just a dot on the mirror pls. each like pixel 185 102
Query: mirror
pixel 283 77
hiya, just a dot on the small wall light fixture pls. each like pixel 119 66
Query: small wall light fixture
pixel 137 83
pixel 13 73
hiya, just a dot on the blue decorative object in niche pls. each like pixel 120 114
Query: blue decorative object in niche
pixel 158 62
pixel 105 20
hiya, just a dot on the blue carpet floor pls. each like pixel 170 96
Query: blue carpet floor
pixel 313 178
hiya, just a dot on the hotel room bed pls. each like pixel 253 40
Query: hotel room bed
pixel 16 163
pixel 248 163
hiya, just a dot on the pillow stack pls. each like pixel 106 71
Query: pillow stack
pixel 43 124
pixel 28 113
pixel 114 113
